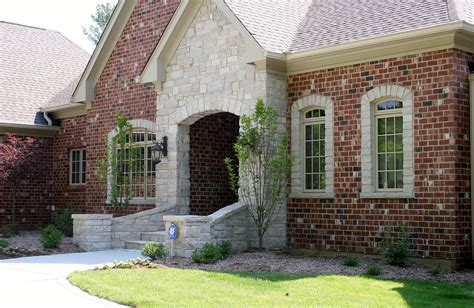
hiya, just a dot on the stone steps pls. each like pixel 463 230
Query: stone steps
pixel 135 245
pixel 158 236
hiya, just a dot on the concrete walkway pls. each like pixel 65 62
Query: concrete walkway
pixel 41 281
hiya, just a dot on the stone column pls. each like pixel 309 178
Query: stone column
pixel 92 232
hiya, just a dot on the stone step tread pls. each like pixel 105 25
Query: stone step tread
pixel 141 242
pixel 155 233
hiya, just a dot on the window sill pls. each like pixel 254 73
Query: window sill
pixel 137 202
pixel 387 195
pixel 313 195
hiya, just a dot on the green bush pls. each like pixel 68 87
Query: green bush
pixel 4 244
pixel 226 249
pixel 436 271
pixel 10 230
pixel 63 221
pixel 211 253
pixel 396 248
pixel 373 270
pixel 350 261
pixel 154 250
pixel 51 237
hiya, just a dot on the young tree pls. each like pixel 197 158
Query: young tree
pixel 100 20
pixel 19 157
pixel 264 165
pixel 121 161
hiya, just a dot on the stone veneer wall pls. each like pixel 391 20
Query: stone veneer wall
pixel 209 74
pixel 211 140
pixel 438 213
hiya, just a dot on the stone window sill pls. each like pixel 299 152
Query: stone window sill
pixel 387 195
pixel 313 195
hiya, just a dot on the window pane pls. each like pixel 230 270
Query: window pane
pixel 382 163
pixel 391 161
pixel 308 181
pixel 399 179
pixel 399 125
pixel 381 126
pixel 382 148
pixel 316 146
pixel 382 180
pixel 390 143
pixel 390 125
pixel 399 161
pixel 316 164
pixel 316 184
pixel 316 132
pixel 381 106
pixel 390 179
pixel 309 148
pixel 309 132
pixel 309 165
pixel 398 143
pixel 322 131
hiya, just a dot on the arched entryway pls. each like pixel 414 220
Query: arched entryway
pixel 211 140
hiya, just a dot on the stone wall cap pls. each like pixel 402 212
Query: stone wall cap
pixel 92 216
pixel 186 218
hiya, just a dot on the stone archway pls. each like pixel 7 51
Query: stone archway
pixel 211 140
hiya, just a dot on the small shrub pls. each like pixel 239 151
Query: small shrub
pixel 4 244
pixel 396 248
pixel 51 237
pixel 211 253
pixel 373 270
pixel 10 230
pixel 226 249
pixel 63 221
pixel 351 261
pixel 435 271
pixel 154 251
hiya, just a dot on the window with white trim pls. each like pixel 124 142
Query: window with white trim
pixel 389 145
pixel 314 150
pixel 77 167
pixel 141 178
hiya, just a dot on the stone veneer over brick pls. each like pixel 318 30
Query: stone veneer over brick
pixel 439 213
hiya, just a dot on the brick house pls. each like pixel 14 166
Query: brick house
pixel 375 96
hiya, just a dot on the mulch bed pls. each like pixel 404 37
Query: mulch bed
pixel 282 262
pixel 28 243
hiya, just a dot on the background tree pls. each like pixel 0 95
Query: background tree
pixel 264 165
pixel 19 161
pixel 100 20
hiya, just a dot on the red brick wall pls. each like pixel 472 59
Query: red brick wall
pixel 439 214
pixel 211 141
pixel 33 196
pixel 117 91
pixel 72 135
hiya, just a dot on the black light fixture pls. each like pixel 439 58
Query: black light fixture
pixel 471 66
pixel 159 150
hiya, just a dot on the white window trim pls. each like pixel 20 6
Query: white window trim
pixel 297 146
pixel 368 146
pixel 81 160
pixel 151 127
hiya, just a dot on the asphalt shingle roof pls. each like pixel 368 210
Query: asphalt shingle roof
pixel 298 25
pixel 38 68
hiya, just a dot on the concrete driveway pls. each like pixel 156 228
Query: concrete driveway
pixel 41 281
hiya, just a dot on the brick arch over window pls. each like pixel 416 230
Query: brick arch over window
pixel 368 165
pixel 297 146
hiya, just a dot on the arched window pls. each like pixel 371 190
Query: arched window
pixel 314 150
pixel 312 147
pixel 134 164
pixel 389 145
pixel 141 178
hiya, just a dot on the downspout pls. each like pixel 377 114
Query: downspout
pixel 471 121
pixel 47 118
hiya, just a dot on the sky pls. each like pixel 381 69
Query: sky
pixel 65 16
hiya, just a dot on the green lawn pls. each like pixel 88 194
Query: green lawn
pixel 197 288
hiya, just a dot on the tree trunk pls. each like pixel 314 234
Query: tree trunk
pixel 260 242
pixel 14 205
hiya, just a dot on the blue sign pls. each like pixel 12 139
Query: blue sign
pixel 172 232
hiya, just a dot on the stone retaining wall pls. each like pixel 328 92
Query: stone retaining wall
pixel 92 231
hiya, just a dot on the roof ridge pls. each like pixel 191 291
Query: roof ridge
pixel 26 26
pixel 455 10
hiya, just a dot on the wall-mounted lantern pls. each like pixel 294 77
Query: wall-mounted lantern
pixel 159 150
